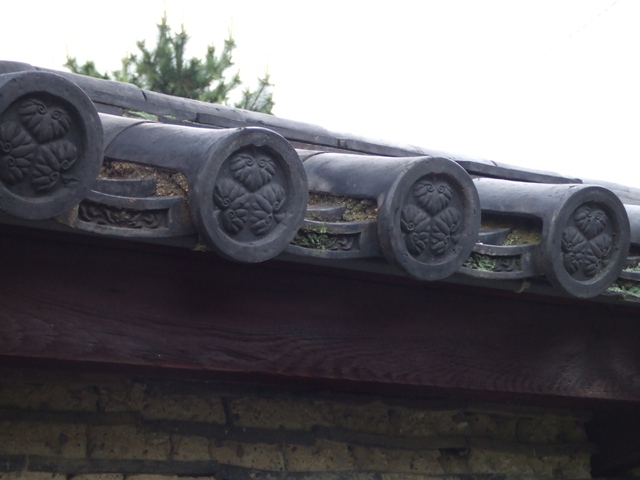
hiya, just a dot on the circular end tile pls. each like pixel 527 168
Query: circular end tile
pixel 587 242
pixel 250 198
pixel 430 220
pixel 51 145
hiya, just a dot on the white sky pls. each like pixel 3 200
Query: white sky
pixel 548 84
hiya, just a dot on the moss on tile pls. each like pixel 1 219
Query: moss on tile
pixel 519 236
pixel 627 288
pixel 633 264
pixel 482 262
pixel 314 236
pixel 522 230
pixel 356 209
pixel 140 115
pixel 168 183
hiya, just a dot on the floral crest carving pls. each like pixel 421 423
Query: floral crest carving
pixel 266 209
pixel 445 230
pixel 250 197
pixel 586 243
pixel 44 122
pixel 428 221
pixel 432 196
pixel 33 147
pixel 16 152
pixel 51 164
pixel 232 199
pixel 253 170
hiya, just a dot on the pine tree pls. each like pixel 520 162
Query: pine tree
pixel 164 69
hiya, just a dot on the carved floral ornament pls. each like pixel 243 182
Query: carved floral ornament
pixel 107 215
pixel 428 222
pixel 586 245
pixel 250 196
pixel 33 148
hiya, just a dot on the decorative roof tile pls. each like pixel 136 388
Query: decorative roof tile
pixel 107 158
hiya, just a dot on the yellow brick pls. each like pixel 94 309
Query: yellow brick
pixel 122 396
pixel 375 417
pixel 287 413
pixel 254 455
pixel 324 456
pixel 153 404
pixel 455 461
pixel 184 407
pixel 572 466
pixel 415 476
pixel 423 423
pixel 47 439
pixel 380 418
pixel 395 460
pixel 32 476
pixel 190 478
pixel 127 442
pixel 66 397
pixel 189 448
pixel 488 461
pixel 482 425
pixel 98 476
pixel 551 429
pixel 150 476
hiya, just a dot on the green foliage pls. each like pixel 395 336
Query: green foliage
pixel 316 237
pixel 633 265
pixel 88 68
pixel 139 114
pixel 479 261
pixel 627 288
pixel 260 100
pixel 163 68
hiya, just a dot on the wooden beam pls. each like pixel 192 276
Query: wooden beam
pixel 118 303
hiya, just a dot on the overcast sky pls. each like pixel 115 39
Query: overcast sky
pixel 548 84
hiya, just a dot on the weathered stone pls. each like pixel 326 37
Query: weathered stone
pixel 561 466
pixel 25 475
pixel 491 442
pixel 47 439
pixel 124 396
pixel 150 476
pixel 455 460
pixel 324 456
pixel 184 407
pixel 416 476
pixel 182 477
pixel 550 429
pixel 394 460
pixel 189 448
pixel 375 417
pixel 572 466
pixel 380 418
pixel 424 423
pixel 127 442
pixel 98 476
pixel 71 397
pixel 154 404
pixel 254 455
pixel 487 461
pixel 284 412
pixel 482 425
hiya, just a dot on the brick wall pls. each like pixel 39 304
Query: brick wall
pixel 63 426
